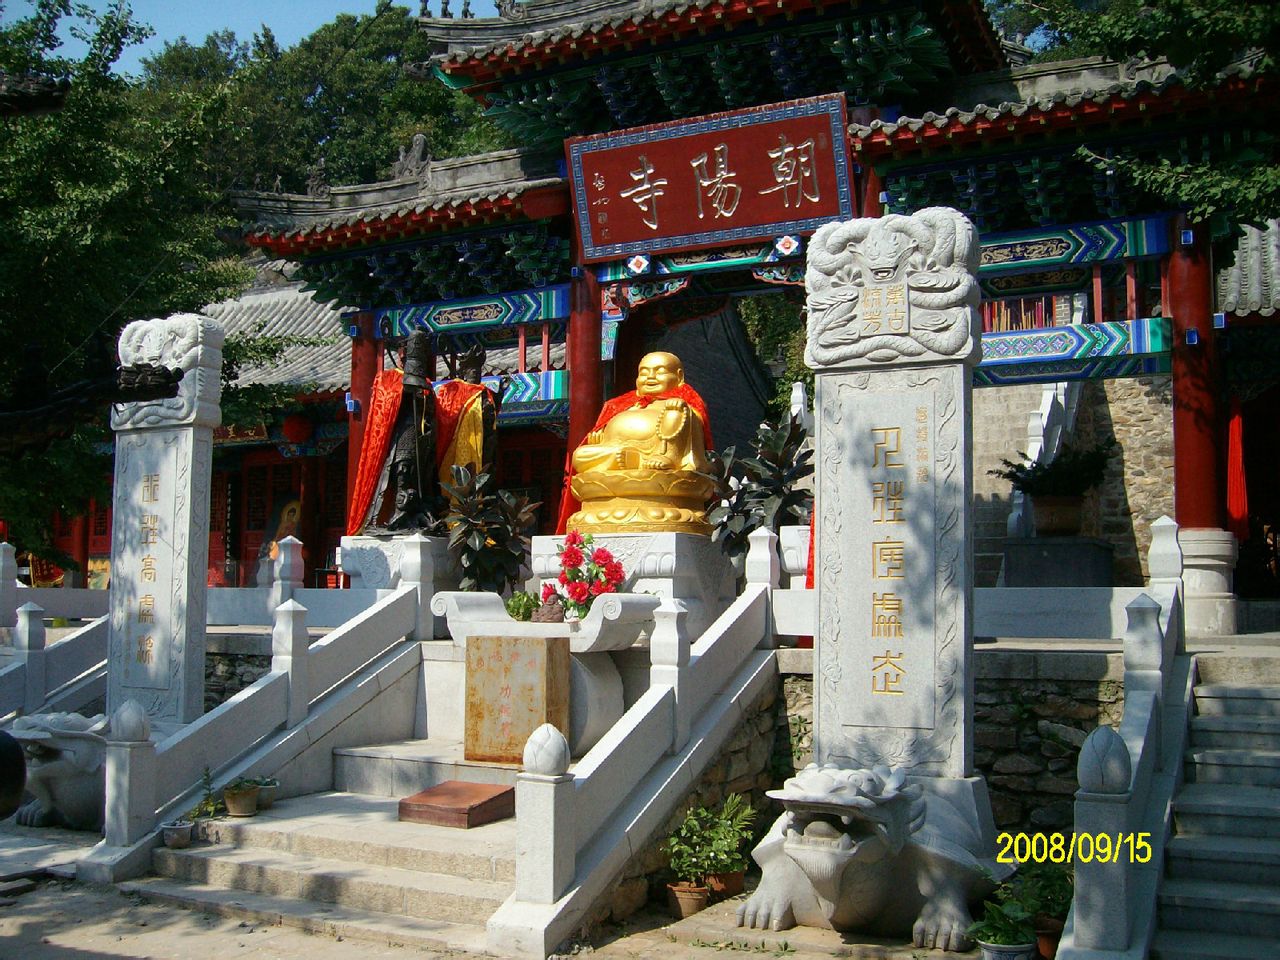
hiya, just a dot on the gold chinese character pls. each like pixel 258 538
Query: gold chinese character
pixel 151 488
pixel 150 529
pixel 895 299
pixel 872 310
pixel 887 673
pixel 922 414
pixel 718 186
pixel 922 474
pixel 147 609
pixel 922 434
pixel 888 558
pixel 149 569
pixel 885 615
pixel 646 192
pixel 889 445
pixel 793 172
pixel 922 454
pixel 144 653
pixel 886 500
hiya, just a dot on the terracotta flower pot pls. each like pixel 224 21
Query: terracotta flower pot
pixel 548 613
pixel 241 803
pixel 1048 934
pixel 1057 516
pixel 684 899
pixel 725 885
pixel 267 794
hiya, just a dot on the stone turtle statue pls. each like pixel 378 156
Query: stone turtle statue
pixel 66 773
pixel 862 850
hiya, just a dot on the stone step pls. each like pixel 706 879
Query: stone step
pixel 1186 945
pixel 1259 768
pixel 1233 699
pixel 1249 860
pixel 380 889
pixel 1255 666
pixel 1235 732
pixel 405 768
pixel 324 919
pixel 1208 906
pixel 365 829
pixel 1202 809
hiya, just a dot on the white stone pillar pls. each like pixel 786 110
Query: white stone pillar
pixel 290 648
pixel 893 336
pixel 28 640
pixel 1103 913
pixel 417 566
pixel 286 571
pixel 669 652
pixel 160 535
pixel 131 777
pixel 546 842
pixel 8 586
pixel 1209 563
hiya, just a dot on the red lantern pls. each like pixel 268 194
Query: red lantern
pixel 297 428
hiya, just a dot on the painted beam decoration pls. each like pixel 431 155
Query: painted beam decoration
pixel 753 174
pixel 475 313
pixel 1086 351
pixel 531 397
pixel 1082 243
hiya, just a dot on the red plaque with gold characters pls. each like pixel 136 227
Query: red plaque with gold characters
pixel 752 174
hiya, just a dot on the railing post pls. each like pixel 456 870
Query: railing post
pixel 1103 890
pixel 669 664
pixel 8 586
pixel 546 848
pixel 1145 657
pixel 288 570
pixel 28 640
pixel 764 568
pixel 131 777
pixel 290 648
pixel 418 568
pixel 1164 567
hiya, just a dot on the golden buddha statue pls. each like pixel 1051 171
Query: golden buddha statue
pixel 641 469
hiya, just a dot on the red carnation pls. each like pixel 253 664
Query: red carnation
pixel 613 572
pixel 573 539
pixel 600 556
pixel 548 591
pixel 578 591
pixel 571 557
pixel 564 577
pixel 600 587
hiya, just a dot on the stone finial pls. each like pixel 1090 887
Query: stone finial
pixel 669 643
pixel 1143 641
pixel 1104 765
pixel 762 564
pixel 129 724
pixel 186 342
pixel 799 406
pixel 546 752
pixel 1164 559
pixel 893 289
pixel 30 633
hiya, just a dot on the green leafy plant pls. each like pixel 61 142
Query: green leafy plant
pixel 762 489
pixel 210 804
pixel 521 604
pixel 1073 472
pixel 241 785
pixel 711 841
pixel 1006 921
pixel 1046 889
pixel 488 530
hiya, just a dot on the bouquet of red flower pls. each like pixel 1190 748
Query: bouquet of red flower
pixel 585 573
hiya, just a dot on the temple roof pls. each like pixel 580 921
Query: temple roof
pixel 1252 283
pixel 26 94
pixel 432 195
pixel 1075 94
pixel 557 31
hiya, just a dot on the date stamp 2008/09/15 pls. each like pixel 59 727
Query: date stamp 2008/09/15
pixel 1073 848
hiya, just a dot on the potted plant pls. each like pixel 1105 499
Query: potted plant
pixel 1006 930
pixel 1047 890
pixel 241 797
pixel 706 855
pixel 488 530
pixel 177 833
pixel 586 572
pixel 268 787
pixel 1056 487
pixel 522 605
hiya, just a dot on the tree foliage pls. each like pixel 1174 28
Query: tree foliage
pixel 1200 38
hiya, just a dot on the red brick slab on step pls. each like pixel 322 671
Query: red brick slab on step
pixel 456 803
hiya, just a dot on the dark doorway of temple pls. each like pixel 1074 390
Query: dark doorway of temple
pixel 1258 570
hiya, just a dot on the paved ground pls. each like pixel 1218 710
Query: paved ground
pixel 63 920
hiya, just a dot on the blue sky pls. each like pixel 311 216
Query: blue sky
pixel 289 20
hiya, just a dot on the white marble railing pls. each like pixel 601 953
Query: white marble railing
pixel 577 830
pixel 59 676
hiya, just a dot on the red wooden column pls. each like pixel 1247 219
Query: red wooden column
pixel 80 547
pixel 586 389
pixel 1197 413
pixel 366 361
pixel 871 190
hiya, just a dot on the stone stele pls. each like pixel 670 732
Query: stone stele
pixel 160 535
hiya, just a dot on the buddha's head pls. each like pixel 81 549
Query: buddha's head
pixel 659 373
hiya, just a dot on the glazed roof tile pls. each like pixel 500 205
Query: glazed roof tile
pixel 1252 283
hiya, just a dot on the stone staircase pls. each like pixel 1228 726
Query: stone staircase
pixel 999 431
pixel 341 863
pixel 1220 897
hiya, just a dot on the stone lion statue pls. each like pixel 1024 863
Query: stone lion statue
pixel 66 773
pixel 862 850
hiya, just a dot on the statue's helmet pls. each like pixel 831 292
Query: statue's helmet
pixel 418 360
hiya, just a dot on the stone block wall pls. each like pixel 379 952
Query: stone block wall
pixel 1138 487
